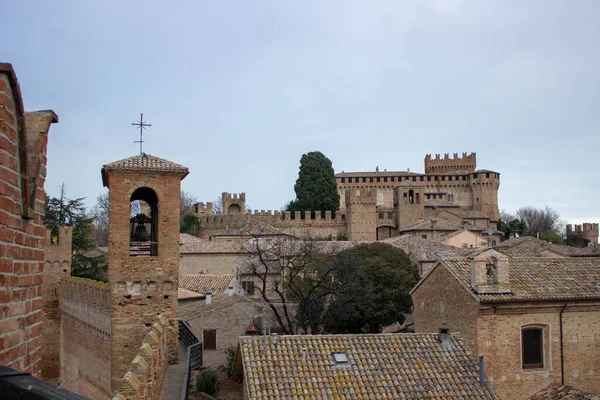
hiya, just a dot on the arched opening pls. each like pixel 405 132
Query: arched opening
pixel 234 209
pixel 143 218
pixel 411 196
pixel 492 271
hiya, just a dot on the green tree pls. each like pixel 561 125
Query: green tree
pixel 315 187
pixel 375 281
pixel 552 237
pixel 190 224
pixel 511 227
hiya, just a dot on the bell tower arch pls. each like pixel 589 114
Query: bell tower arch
pixel 143 253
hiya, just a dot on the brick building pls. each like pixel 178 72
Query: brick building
pixel 23 146
pixel 535 320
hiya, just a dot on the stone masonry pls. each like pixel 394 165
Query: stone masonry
pixel 23 145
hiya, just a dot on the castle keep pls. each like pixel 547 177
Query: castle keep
pixel 383 204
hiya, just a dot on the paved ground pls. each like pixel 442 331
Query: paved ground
pixel 174 379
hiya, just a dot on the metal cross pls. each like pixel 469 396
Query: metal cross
pixel 142 124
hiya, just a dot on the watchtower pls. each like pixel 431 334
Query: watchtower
pixel 143 253
pixel 233 203
pixel 361 214
pixel 410 203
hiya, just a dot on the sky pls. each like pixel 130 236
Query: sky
pixel 237 91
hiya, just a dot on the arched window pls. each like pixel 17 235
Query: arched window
pixel 492 271
pixel 411 196
pixel 143 223
pixel 234 209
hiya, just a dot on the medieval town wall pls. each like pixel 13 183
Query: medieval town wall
pixel 146 373
pixel 23 146
pixel 314 224
pixel 85 337
pixel 57 266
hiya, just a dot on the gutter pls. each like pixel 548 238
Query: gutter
pixel 562 353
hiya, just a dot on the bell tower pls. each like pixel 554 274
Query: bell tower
pixel 143 253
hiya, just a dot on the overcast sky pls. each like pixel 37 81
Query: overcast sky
pixel 237 91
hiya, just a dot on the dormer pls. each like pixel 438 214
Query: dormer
pixel 490 272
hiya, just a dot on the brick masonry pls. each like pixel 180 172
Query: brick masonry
pixel 57 266
pixel 23 145
pixel 145 286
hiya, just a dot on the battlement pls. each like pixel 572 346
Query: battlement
pixel 588 231
pixel 201 209
pixel 446 164
pixel 88 301
pixel 233 196
pixel 146 373
pixel 361 196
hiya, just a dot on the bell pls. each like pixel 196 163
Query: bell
pixel 140 233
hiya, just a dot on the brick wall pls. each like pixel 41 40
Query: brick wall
pixel 146 372
pixel 57 266
pixel 85 334
pixel 442 300
pixel 145 286
pixel 23 142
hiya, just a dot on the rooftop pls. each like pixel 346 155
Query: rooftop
pixel 144 163
pixel 203 283
pixel 529 246
pixel 425 249
pixel 378 366
pixel 538 279
pixel 558 392
pixel 185 294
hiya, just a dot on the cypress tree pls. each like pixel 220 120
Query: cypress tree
pixel 315 187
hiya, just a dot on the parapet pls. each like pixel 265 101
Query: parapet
pixel 146 373
pixel 201 209
pixel 233 196
pixel 439 165
pixel 88 301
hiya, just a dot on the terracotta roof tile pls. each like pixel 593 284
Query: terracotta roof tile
pixel 381 366
pixel 216 284
pixel 146 163
pixel 187 238
pixel 185 294
pixel 426 249
pixel 529 246
pixel 558 392
pixel 535 279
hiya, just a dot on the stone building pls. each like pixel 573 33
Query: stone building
pixel 23 149
pixel 536 321
pixel 380 205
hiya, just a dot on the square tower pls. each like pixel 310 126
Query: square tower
pixel 410 203
pixel 143 253
pixel 361 214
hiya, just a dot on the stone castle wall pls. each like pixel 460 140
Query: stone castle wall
pixel 587 231
pixel 146 373
pixel 317 224
pixel 57 266
pixel 439 165
pixel 23 146
pixel 85 337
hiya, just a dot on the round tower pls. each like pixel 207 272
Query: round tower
pixel 484 188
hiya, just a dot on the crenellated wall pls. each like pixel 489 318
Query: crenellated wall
pixel 57 266
pixel 315 224
pixel 146 373
pixel 587 231
pixel 85 337
pixel 446 164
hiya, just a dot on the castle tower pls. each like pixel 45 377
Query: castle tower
pixel 57 266
pixel 586 231
pixel 411 205
pixel 143 254
pixel 233 203
pixel 484 188
pixel 361 214
pixel 439 165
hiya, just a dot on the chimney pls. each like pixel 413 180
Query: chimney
pixel 208 298
pixel 481 372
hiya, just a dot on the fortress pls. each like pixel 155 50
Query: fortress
pixel 586 231
pixel 374 205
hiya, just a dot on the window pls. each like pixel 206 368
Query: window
pixel 343 180
pixel 248 287
pixel 487 174
pixel 424 236
pixel 143 223
pixel 378 179
pixel 532 344
pixel 340 358
pixel 209 338
pixel 390 215
pixel 371 179
pixel 380 214
pixel 385 178
pixel 492 274
pixel 364 180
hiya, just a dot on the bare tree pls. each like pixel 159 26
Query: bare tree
pixel 186 205
pixel 540 220
pixel 294 278
pixel 100 225
pixel 218 206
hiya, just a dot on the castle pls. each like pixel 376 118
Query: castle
pixel 381 204
pixel 587 231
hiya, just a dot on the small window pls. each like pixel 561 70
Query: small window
pixel 385 178
pixel 390 215
pixel 380 214
pixel 248 287
pixel 414 178
pixel 487 174
pixel 371 179
pixel 424 236
pixel 209 337
pixel 475 176
pixel 378 179
pixel 492 274
pixel 343 180
pixel 421 179
pixel 340 358
pixel 364 180
pixel 533 348
pixel 428 179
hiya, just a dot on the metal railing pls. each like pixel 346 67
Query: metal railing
pixel 193 359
